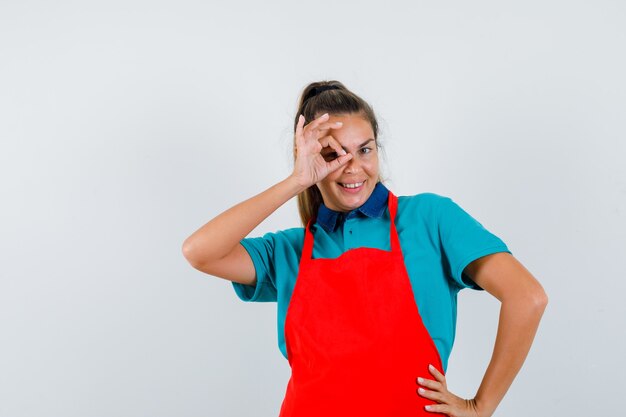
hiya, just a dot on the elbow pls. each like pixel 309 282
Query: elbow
pixel 538 299
pixel 189 253
pixel 542 299
pixel 531 300
pixel 199 257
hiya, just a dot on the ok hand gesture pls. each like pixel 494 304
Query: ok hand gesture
pixel 310 167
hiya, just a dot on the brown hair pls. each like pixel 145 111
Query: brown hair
pixel 313 104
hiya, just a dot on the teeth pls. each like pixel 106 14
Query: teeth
pixel 355 185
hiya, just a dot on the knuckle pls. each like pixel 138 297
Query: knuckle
pixel 424 392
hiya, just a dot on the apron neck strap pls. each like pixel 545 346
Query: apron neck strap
pixel 392 205
pixel 307 249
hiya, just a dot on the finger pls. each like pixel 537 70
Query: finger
pixel 429 383
pixel 338 162
pixel 328 125
pixel 432 395
pixel 318 121
pixel 438 375
pixel 321 128
pixel 439 408
pixel 329 141
pixel 299 126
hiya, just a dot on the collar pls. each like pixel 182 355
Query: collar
pixel 374 207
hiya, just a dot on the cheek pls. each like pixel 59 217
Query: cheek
pixel 326 183
pixel 332 177
pixel 372 167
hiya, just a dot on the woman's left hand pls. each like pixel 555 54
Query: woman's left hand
pixel 449 403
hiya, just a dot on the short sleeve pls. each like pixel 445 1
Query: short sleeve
pixel 463 240
pixel 274 255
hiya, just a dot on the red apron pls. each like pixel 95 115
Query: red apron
pixel 355 340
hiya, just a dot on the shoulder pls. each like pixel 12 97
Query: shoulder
pixel 420 214
pixel 279 246
pixel 427 204
pixel 291 238
pixel 435 209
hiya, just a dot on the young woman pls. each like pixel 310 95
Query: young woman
pixel 367 290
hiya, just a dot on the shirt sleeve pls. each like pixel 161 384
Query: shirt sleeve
pixel 464 240
pixel 274 255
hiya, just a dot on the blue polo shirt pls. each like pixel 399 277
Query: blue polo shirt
pixel 438 240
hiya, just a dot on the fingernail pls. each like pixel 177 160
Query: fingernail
pixel 420 380
pixel 421 390
pixel 324 115
pixel 427 407
pixel 431 367
pixel 339 123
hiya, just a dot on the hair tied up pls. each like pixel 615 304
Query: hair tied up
pixel 317 90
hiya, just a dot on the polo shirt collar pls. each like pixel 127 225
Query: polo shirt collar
pixel 374 207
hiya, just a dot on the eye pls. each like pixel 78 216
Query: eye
pixel 365 150
pixel 329 156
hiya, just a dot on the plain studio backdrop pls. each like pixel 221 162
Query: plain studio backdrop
pixel 127 125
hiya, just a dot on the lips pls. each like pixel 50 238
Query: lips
pixel 351 184
pixel 352 187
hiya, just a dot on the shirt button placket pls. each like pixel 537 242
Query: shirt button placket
pixel 349 236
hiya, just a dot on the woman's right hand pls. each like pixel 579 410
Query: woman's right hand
pixel 216 248
pixel 310 166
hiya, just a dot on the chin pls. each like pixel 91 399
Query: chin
pixel 349 202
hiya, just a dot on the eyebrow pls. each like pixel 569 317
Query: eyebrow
pixel 361 145
pixel 365 143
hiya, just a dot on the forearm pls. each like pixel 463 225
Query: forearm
pixel 517 326
pixel 217 238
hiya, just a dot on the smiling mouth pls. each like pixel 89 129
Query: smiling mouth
pixel 353 185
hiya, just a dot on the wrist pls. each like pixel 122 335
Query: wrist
pixel 483 408
pixel 295 184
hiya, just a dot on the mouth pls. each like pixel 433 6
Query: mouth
pixel 353 187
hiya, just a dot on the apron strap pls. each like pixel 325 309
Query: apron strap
pixel 392 204
pixel 307 249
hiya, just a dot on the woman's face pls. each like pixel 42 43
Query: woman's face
pixel 360 173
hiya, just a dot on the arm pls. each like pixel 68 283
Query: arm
pixel 215 247
pixel 523 303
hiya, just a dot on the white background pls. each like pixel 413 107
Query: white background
pixel 126 125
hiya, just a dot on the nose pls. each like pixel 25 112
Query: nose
pixel 353 165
